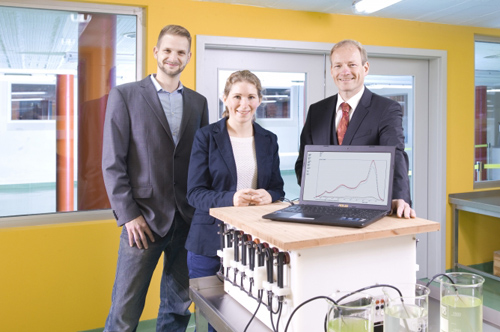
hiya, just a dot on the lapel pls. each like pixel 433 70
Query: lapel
pixel 262 152
pixel 186 111
pixel 223 142
pixel 329 120
pixel 358 116
pixel 150 94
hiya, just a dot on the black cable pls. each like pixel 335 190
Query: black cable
pixel 270 303
pixel 255 313
pixel 279 316
pixel 439 275
pixel 220 272
pixel 357 291
pixel 286 200
pixel 271 312
pixel 304 303
pixel 370 287
pixel 271 315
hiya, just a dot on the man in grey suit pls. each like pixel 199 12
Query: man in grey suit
pixel 148 134
pixel 356 116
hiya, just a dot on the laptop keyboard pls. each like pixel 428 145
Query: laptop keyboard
pixel 346 213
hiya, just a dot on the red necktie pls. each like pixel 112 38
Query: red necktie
pixel 344 122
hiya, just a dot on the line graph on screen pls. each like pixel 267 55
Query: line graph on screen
pixel 351 180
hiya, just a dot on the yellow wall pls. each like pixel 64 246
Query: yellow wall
pixel 59 278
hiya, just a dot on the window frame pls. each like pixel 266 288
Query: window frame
pixel 91 215
pixel 485 184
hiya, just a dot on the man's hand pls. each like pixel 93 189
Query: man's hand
pixel 403 209
pixel 246 197
pixel 137 230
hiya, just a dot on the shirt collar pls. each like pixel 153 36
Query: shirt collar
pixel 159 88
pixel 353 102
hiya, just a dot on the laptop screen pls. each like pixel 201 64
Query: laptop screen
pixel 352 175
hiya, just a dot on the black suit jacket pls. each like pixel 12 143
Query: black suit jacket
pixel 376 121
pixel 213 178
pixel 144 172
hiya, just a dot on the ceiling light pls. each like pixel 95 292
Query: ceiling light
pixel 131 35
pixel 29 93
pixel 371 6
pixel 27 99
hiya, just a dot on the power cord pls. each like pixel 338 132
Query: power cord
pixel 261 294
pixel 440 275
pixel 304 303
pixel 278 311
pixel 279 316
pixel 357 291
pixel 286 200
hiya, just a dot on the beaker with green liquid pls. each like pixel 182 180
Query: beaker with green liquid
pixel 461 307
pixel 406 310
pixel 353 313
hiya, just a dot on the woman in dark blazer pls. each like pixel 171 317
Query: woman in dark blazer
pixel 234 162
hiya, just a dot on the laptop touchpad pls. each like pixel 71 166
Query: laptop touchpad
pixel 304 216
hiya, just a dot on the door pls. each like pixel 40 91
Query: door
pixel 402 79
pixel 406 81
pixel 291 82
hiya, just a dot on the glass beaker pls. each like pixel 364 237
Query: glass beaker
pixel 353 313
pixel 461 302
pixel 408 311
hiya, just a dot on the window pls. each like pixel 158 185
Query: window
pixel 91 48
pixel 33 101
pixel 487 113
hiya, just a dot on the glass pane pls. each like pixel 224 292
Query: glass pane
pixel 33 101
pixel 38 48
pixel 487 111
pixel 400 89
pixel 281 112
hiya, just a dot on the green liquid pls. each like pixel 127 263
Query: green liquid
pixel 461 314
pixel 350 324
pixel 407 318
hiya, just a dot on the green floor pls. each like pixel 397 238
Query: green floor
pixel 491 287
pixel 150 326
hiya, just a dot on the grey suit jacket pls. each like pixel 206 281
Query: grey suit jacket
pixel 144 172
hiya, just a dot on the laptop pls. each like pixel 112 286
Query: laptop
pixel 342 185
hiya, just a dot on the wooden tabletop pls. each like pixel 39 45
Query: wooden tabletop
pixel 293 236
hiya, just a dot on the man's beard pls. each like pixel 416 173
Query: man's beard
pixel 171 72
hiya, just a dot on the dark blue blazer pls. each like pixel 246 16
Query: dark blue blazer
pixel 376 121
pixel 212 179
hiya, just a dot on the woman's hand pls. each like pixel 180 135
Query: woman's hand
pixel 261 197
pixel 247 197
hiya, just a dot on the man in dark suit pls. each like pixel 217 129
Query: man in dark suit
pixel 356 116
pixel 148 134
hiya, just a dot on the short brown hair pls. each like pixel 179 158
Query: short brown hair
pixel 241 76
pixel 361 48
pixel 175 30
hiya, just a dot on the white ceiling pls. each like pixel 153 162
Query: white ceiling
pixel 35 39
pixel 479 13
pixel 47 40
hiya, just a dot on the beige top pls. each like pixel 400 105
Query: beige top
pixel 246 161
pixel 293 236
